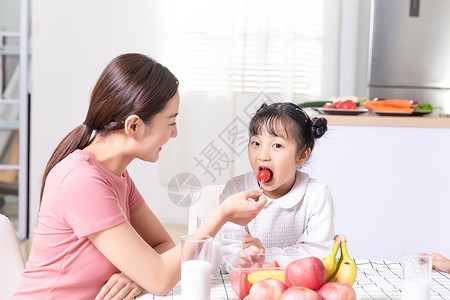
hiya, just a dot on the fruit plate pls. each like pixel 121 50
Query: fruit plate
pixel 344 112
pixel 421 112
pixel 393 113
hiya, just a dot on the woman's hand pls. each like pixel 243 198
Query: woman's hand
pixel 253 244
pixel 240 210
pixel 119 286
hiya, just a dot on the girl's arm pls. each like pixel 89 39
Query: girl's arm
pixel 158 273
pixel 441 263
pixel 151 230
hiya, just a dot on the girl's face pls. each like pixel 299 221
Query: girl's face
pixel 278 154
pixel 160 130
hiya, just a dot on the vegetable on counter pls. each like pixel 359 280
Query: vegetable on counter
pixel 424 107
pixel 345 104
pixel 312 104
pixel 350 102
pixel 393 105
pixel 398 105
pixel 389 103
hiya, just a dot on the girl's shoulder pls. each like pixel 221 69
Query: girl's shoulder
pixel 315 189
pixel 309 187
pixel 308 181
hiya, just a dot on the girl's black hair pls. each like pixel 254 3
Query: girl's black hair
pixel 295 122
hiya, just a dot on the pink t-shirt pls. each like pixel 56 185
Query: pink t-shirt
pixel 81 197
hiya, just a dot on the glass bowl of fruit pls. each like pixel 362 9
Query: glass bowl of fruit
pixel 247 270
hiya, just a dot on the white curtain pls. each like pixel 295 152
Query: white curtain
pixel 231 56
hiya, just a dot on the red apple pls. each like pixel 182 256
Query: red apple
pixel 297 292
pixel 337 291
pixel 306 272
pixel 267 289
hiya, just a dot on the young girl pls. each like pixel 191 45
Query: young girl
pixel 94 227
pixel 299 215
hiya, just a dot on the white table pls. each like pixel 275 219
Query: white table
pixel 376 280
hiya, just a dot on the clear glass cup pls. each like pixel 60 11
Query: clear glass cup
pixel 216 254
pixel 416 276
pixel 196 267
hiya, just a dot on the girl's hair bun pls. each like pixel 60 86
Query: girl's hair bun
pixel 318 127
pixel 262 107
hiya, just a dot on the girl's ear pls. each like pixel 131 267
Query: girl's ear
pixel 303 157
pixel 131 125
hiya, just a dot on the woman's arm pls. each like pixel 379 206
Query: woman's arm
pixel 158 274
pixel 151 230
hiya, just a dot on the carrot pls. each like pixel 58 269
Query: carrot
pixel 393 102
pixel 393 109
pixel 369 104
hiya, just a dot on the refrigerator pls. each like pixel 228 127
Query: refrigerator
pixel 409 51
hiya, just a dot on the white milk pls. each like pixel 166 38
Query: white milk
pixel 216 257
pixel 416 289
pixel 195 280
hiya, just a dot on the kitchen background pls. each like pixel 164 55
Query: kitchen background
pixel 390 184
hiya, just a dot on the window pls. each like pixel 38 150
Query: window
pixel 225 53
pixel 251 46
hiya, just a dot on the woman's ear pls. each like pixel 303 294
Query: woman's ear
pixel 132 124
pixel 303 157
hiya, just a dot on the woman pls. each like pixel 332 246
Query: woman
pixel 93 223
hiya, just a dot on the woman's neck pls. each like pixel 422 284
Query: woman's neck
pixel 111 152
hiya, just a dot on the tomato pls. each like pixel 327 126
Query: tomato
pixel 336 104
pixel 346 104
pixel 263 175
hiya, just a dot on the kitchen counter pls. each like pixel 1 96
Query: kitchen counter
pixel 369 119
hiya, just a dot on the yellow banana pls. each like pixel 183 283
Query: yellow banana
pixel 263 274
pixel 346 269
pixel 330 262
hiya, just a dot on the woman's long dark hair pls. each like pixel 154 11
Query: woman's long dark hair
pixel 131 84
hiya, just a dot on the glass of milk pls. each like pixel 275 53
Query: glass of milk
pixel 196 267
pixel 416 276
pixel 216 256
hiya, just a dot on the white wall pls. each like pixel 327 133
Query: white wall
pixel 390 187
pixel 72 43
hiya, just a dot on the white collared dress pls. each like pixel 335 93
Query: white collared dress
pixel 300 223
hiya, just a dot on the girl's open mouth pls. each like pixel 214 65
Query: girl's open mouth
pixel 264 175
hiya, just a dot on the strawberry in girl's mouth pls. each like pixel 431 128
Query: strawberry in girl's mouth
pixel 264 175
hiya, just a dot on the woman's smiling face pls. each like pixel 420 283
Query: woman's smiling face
pixel 280 155
pixel 162 128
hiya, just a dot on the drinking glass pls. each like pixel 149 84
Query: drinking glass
pixel 215 251
pixel 196 267
pixel 416 276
